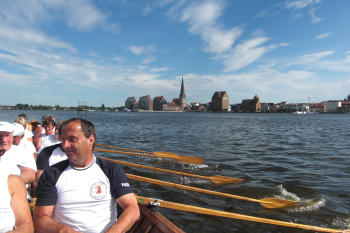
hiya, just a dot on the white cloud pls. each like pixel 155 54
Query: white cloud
pixel 161 69
pixel 137 50
pixel 148 59
pixel 78 14
pixel 323 35
pixel 246 53
pixel 118 58
pixel 297 6
pixel 314 17
pixel 202 19
pixel 300 4
pixel 309 59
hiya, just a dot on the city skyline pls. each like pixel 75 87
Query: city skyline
pixel 101 52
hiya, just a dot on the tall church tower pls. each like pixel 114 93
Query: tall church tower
pixel 182 96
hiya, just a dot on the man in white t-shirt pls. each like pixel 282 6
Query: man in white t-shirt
pixel 80 194
pixel 18 162
pixel 20 140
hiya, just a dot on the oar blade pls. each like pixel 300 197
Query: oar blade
pixel 276 203
pixel 190 159
pixel 225 180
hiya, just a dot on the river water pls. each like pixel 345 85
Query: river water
pixel 298 157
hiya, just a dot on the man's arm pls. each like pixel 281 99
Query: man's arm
pixel 130 215
pixel 27 174
pixel 19 205
pixel 37 177
pixel 45 224
pixel 37 138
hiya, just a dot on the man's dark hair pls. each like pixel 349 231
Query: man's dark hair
pixel 23 115
pixel 49 121
pixel 86 126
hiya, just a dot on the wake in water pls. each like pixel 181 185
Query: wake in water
pixel 304 205
pixel 191 180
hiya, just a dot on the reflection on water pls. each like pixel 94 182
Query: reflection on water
pixel 279 155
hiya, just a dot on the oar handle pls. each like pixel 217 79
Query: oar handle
pixel 219 213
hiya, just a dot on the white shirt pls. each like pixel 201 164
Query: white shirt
pixel 47 140
pixel 7 217
pixel 15 157
pixel 27 134
pixel 27 146
pixel 57 155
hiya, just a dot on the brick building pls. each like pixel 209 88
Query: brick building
pixel 251 105
pixel 219 102
pixel 131 103
pixel 146 103
pixel 158 103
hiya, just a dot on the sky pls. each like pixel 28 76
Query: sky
pixel 103 51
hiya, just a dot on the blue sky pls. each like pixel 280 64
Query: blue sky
pixel 62 51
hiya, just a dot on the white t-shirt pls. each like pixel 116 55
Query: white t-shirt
pixel 7 218
pixel 27 134
pixel 84 198
pixel 47 140
pixel 15 157
pixel 28 146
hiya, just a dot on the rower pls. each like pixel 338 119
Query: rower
pixel 80 194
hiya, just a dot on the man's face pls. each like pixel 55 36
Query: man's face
pixel 6 140
pixel 77 147
pixel 48 129
pixel 17 140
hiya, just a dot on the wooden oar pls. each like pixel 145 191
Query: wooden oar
pixel 162 154
pixel 122 148
pixel 183 159
pixel 214 179
pixel 271 203
pixel 219 213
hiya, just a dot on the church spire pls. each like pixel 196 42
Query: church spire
pixel 182 96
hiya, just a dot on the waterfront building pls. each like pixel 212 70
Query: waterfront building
pixel 158 103
pixel 146 103
pixel 182 96
pixel 251 105
pixel 220 102
pixel 317 107
pixel 267 107
pixel 176 101
pixel 333 105
pixel 131 103
pixel 171 107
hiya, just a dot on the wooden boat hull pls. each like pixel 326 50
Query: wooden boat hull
pixel 153 222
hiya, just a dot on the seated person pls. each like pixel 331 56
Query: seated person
pixel 80 194
pixel 14 209
pixel 45 139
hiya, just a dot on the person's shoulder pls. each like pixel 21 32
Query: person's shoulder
pixel 49 149
pixel 54 171
pixel 57 168
pixel 60 166
pixel 105 164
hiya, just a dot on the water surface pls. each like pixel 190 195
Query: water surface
pixel 299 157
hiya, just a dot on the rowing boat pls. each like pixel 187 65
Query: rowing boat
pixel 151 221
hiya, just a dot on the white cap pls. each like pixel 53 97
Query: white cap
pixel 18 129
pixel 6 127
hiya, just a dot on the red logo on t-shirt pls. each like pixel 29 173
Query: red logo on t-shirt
pixel 98 191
